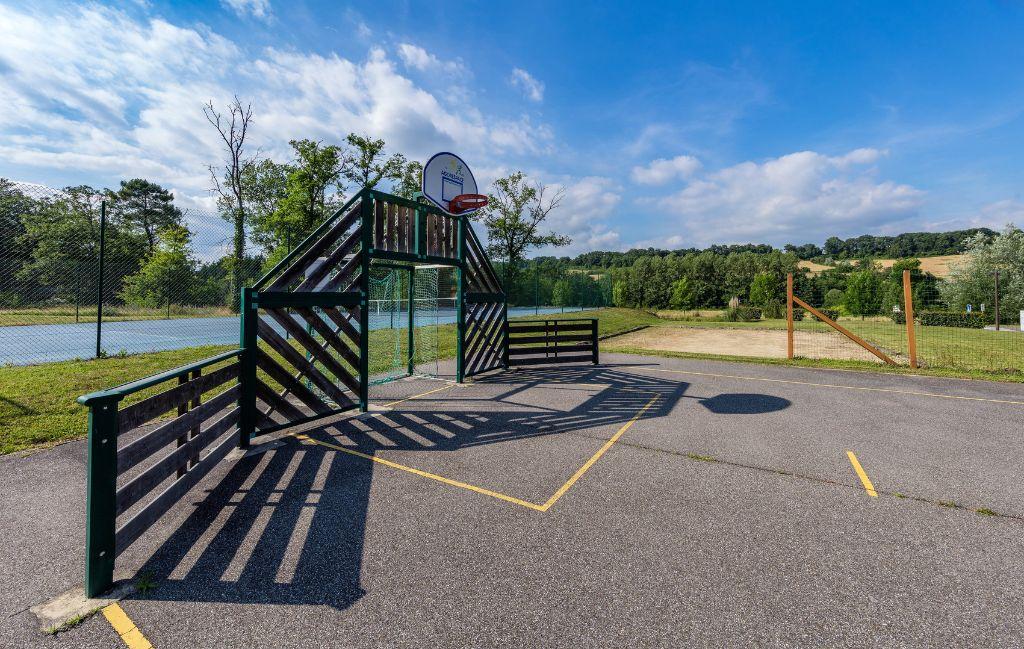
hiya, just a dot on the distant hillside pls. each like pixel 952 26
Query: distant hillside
pixel 909 244
pixel 938 266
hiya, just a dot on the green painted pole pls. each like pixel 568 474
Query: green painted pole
pixel 460 299
pixel 366 242
pixel 412 321
pixel 247 376
pixel 101 496
pixel 99 290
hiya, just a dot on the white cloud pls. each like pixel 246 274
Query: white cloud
pixel 584 213
pixel 131 105
pixel 530 87
pixel 418 58
pixel 804 196
pixel 661 171
pixel 259 9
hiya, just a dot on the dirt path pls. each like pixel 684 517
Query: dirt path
pixel 759 343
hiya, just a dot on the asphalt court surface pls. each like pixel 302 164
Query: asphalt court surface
pixel 643 502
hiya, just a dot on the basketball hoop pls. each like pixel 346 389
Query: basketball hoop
pixel 464 202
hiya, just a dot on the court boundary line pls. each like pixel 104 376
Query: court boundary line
pixel 123 626
pixel 555 497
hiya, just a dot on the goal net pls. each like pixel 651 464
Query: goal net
pixel 433 318
pixel 389 321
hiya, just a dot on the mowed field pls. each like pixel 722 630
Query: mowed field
pixel 939 265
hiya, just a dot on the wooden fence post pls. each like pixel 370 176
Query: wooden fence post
pixel 789 316
pixel 908 312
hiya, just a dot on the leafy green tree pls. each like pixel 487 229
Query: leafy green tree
pixel 682 294
pixel 13 205
pixel 562 293
pixel 973 281
pixel 515 212
pixel 833 298
pixel 619 296
pixel 410 180
pixel 762 289
pixel 264 188
pixel 167 276
pixel 864 293
pixel 367 163
pixel 144 205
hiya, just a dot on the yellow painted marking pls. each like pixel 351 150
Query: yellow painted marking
pixel 864 479
pixel 423 474
pixel 597 456
pixel 836 386
pixel 481 490
pixel 124 627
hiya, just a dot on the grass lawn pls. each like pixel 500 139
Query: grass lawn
pixel 37 402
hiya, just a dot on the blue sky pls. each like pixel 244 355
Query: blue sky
pixel 671 125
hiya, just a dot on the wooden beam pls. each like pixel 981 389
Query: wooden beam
pixel 824 318
pixel 789 316
pixel 908 312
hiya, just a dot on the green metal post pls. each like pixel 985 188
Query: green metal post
pixel 366 242
pixel 99 290
pixel 101 496
pixel 536 288
pixel 412 321
pixel 247 376
pixel 460 298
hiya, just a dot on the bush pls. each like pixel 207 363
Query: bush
pixel 743 314
pixel 774 309
pixel 798 314
pixel 954 319
pixel 831 314
pixel 898 317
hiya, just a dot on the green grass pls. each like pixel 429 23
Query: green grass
pixel 37 402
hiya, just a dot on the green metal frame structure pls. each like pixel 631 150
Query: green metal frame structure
pixel 318 296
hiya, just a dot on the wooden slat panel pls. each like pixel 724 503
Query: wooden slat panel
pixel 337 345
pixel 153 441
pixel 565 349
pixel 481 260
pixel 139 523
pixel 300 264
pixel 344 251
pixel 290 354
pixel 318 352
pixel 514 329
pixel 492 356
pixel 341 280
pixel 151 478
pixel 391 241
pixel 521 340
pixel 378 224
pixel 139 413
pixel 561 359
pixel 292 384
pixel 403 229
pixel 278 402
pixel 341 321
pixel 478 320
pixel 487 327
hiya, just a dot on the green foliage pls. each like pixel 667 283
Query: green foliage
pixel 973 282
pixel 409 181
pixel 167 273
pixel 774 309
pixel 143 206
pixel 562 293
pixel 954 319
pixel 863 293
pixel 831 314
pixel 762 289
pixel 833 298
pixel 742 314
pixel 367 163
pixel 682 294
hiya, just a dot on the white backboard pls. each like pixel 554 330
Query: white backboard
pixel 446 176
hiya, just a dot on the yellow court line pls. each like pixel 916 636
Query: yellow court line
pixel 864 479
pixel 597 456
pixel 423 474
pixel 836 386
pixel 481 490
pixel 125 628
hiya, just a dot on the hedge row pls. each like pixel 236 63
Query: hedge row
pixel 743 314
pixel 831 314
pixel 976 320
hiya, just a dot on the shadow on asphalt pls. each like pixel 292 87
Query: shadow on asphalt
pixel 287 526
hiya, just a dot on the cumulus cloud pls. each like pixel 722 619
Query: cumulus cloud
pixel 525 82
pixel 259 9
pixel 131 105
pixel 584 213
pixel 418 58
pixel 805 196
pixel 661 171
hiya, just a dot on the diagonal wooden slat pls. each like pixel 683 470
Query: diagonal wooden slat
pixel 480 321
pixel 299 333
pixel 292 384
pixel 292 355
pixel 343 322
pixel 278 402
pixel 344 274
pixel 342 253
pixel 337 345
pixel 303 261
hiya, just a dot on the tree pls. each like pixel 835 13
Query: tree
pixel 973 281
pixel 264 188
pixel 227 181
pixel 410 180
pixel 144 205
pixel 168 273
pixel 13 205
pixel 833 298
pixel 561 295
pixel 682 294
pixel 762 289
pixel 515 211
pixel 864 293
pixel 367 164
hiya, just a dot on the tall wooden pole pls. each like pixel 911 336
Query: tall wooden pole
pixel 997 301
pixel 908 304
pixel 789 316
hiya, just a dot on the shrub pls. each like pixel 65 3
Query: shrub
pixel 954 319
pixel 833 298
pixel 898 317
pixel 743 314
pixel 831 314
pixel 798 314
pixel 774 309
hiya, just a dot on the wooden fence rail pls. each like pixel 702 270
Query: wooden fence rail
pixel 552 341
pixel 168 459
